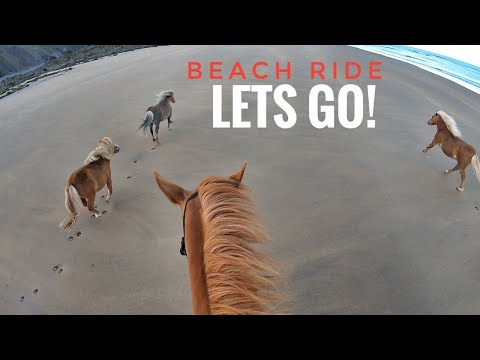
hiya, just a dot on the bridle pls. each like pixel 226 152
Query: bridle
pixel 183 250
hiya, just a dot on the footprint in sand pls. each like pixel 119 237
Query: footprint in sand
pixel 129 177
pixel 55 268
pixel 70 238
pixel 103 197
pixel 104 212
pixel 22 298
pixel 60 271
pixel 35 292
pixel 134 161
pixel 79 233
pixel 476 208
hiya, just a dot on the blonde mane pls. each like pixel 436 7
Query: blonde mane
pixel 240 280
pixel 450 123
pixel 105 150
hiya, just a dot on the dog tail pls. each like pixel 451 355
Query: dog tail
pixel 146 122
pixel 476 166
pixel 72 204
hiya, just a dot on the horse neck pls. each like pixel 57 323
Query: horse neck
pixel 441 125
pixel 196 268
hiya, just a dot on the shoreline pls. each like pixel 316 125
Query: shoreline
pixel 11 84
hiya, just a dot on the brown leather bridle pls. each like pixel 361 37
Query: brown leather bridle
pixel 183 250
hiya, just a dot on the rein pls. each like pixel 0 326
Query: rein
pixel 183 250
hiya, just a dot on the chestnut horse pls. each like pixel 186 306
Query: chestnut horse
pixel 85 182
pixel 227 275
pixel 448 136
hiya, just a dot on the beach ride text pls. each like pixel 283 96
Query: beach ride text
pixel 322 100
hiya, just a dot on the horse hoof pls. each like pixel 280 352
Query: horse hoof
pixel 459 189
pixel 445 172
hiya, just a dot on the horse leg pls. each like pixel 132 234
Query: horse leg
pixel 452 170
pixel 462 175
pixel 436 140
pixel 84 202
pixel 151 131
pixel 91 205
pixel 110 190
pixel 156 130
pixel 169 122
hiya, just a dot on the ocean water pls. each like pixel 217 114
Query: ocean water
pixel 462 73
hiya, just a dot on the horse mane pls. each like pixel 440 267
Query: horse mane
pixel 450 123
pixel 240 280
pixel 105 150
pixel 163 95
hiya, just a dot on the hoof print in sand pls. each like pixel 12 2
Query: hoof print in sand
pixel 476 208
pixel 79 233
pixel 55 268
pixel 134 161
pixel 22 298
pixel 103 197
pixel 35 292
pixel 104 212
pixel 60 271
pixel 70 238
pixel 129 176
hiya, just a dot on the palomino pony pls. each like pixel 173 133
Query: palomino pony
pixel 85 182
pixel 449 138
pixel 227 275
pixel 157 113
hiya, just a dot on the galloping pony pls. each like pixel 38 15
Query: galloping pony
pixel 157 113
pixel 85 182
pixel 221 228
pixel 448 136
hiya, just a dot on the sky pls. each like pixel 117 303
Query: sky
pixel 467 53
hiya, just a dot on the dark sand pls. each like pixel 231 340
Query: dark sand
pixel 363 221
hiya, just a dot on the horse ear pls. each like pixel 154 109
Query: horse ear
pixel 176 194
pixel 239 174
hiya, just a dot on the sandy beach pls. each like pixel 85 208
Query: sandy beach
pixel 362 221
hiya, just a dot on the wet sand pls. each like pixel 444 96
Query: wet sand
pixel 362 220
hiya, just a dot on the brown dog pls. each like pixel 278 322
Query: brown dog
pixel 85 182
